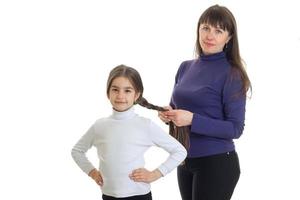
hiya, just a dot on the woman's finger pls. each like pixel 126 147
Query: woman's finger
pixel 168 107
pixel 170 113
pixel 163 117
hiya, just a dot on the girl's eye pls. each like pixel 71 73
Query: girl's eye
pixel 128 91
pixel 114 90
pixel 205 28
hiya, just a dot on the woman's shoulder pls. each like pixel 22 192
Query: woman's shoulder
pixel 233 73
pixel 185 65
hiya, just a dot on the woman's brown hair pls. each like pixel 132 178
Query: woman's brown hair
pixel 180 133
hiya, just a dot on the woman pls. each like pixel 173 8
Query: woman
pixel 209 97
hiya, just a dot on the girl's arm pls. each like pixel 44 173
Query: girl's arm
pixel 162 139
pixel 79 150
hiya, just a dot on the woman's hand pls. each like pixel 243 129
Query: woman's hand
pixel 143 175
pixel 96 176
pixel 162 115
pixel 179 117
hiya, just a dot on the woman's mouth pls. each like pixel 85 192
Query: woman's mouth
pixel 209 44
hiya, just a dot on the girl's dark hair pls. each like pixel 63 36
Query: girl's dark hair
pixel 180 133
pixel 221 16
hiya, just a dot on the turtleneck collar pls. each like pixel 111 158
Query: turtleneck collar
pixel 212 57
pixel 127 114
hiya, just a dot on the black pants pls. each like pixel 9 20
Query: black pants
pixel 209 178
pixel 137 197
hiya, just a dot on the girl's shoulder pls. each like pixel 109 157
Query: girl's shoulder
pixel 146 122
pixel 142 119
pixel 101 120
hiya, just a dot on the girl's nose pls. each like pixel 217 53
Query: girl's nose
pixel 120 95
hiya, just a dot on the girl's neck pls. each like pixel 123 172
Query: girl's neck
pixel 126 114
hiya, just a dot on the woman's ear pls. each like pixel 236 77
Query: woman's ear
pixel 228 39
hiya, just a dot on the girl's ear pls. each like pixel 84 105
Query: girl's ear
pixel 137 95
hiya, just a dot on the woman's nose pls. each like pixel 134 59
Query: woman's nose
pixel 210 35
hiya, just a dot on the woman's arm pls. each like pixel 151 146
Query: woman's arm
pixel 234 103
pixel 230 127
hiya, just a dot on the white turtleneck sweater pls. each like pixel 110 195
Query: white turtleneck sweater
pixel 121 141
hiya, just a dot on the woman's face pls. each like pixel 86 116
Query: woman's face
pixel 212 39
pixel 122 94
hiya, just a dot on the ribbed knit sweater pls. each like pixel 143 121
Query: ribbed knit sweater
pixel 210 88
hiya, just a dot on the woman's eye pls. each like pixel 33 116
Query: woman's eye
pixel 219 31
pixel 128 91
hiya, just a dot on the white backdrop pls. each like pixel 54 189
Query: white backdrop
pixel 55 57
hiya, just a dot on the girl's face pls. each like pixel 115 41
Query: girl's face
pixel 122 94
pixel 212 39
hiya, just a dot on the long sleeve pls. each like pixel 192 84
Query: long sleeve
pixel 212 89
pixel 177 152
pixel 80 149
pixel 232 125
pixel 179 72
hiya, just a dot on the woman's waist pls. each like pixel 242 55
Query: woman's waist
pixel 205 146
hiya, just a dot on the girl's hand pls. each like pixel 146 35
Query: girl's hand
pixel 143 175
pixel 180 117
pixel 162 115
pixel 96 176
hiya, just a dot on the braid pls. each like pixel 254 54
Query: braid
pixel 179 133
pixel 143 102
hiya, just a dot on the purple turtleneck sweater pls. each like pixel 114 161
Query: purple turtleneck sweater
pixel 211 89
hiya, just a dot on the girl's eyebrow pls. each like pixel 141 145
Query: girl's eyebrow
pixel 126 88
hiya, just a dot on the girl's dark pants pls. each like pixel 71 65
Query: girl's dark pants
pixel 138 197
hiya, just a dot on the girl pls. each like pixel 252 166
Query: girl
pixel 122 139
